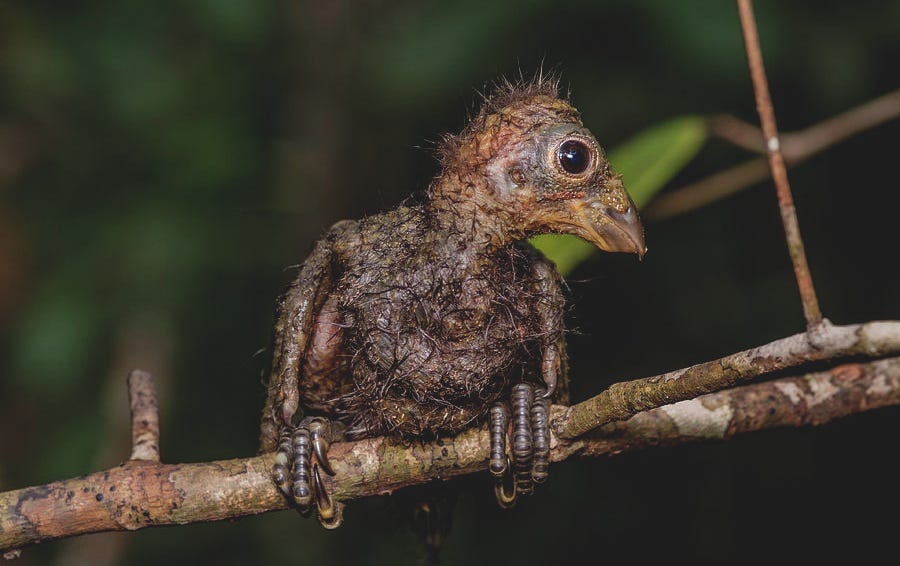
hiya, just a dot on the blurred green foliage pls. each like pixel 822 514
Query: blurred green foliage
pixel 162 163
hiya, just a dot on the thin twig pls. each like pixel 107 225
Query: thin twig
pixel 796 148
pixel 716 186
pixel 740 133
pixel 144 417
pixel 141 494
pixel 776 162
pixel 825 342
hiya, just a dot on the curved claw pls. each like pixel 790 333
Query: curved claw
pixel 549 392
pixel 330 512
pixel 337 520
pixel 324 501
pixel 550 370
pixel 505 488
pixel 320 443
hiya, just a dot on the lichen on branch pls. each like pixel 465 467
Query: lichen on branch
pixel 825 342
pixel 139 494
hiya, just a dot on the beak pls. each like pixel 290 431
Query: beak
pixel 608 220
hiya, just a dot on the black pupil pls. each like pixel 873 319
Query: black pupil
pixel 573 156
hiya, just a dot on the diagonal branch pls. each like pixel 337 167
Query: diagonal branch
pixel 812 399
pixel 796 147
pixel 709 189
pixel 826 342
pixel 141 493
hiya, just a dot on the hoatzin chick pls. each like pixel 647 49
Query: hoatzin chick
pixel 428 319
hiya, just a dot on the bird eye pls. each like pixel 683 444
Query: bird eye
pixel 574 157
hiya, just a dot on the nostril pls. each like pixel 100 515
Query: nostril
pixel 622 211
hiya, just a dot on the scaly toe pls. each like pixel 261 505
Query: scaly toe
pixel 529 443
pixel 522 436
pixel 540 426
pixel 283 456
pixel 499 423
pixel 302 490
pixel 505 488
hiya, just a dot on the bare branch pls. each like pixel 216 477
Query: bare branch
pixel 144 493
pixel 716 186
pixel 144 417
pixel 740 133
pixel 776 164
pixel 139 494
pixel 826 342
pixel 796 147
pixel 813 399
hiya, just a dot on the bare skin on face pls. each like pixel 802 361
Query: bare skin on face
pixel 426 320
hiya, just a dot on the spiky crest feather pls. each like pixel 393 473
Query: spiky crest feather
pixel 526 101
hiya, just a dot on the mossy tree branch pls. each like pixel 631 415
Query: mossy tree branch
pixel 825 342
pixel 143 493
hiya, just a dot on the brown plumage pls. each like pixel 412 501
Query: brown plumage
pixel 413 322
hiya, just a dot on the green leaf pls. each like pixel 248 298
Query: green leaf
pixel 647 162
pixel 565 250
pixel 650 159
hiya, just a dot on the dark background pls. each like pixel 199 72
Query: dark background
pixel 163 164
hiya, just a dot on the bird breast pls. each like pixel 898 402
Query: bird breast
pixel 438 333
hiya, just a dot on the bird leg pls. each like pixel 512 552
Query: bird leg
pixel 302 452
pixel 530 443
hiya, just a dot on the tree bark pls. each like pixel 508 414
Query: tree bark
pixel 139 493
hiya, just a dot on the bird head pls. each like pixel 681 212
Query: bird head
pixel 526 165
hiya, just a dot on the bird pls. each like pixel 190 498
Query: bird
pixel 437 316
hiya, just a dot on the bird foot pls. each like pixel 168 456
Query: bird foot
pixel 530 443
pixel 301 456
